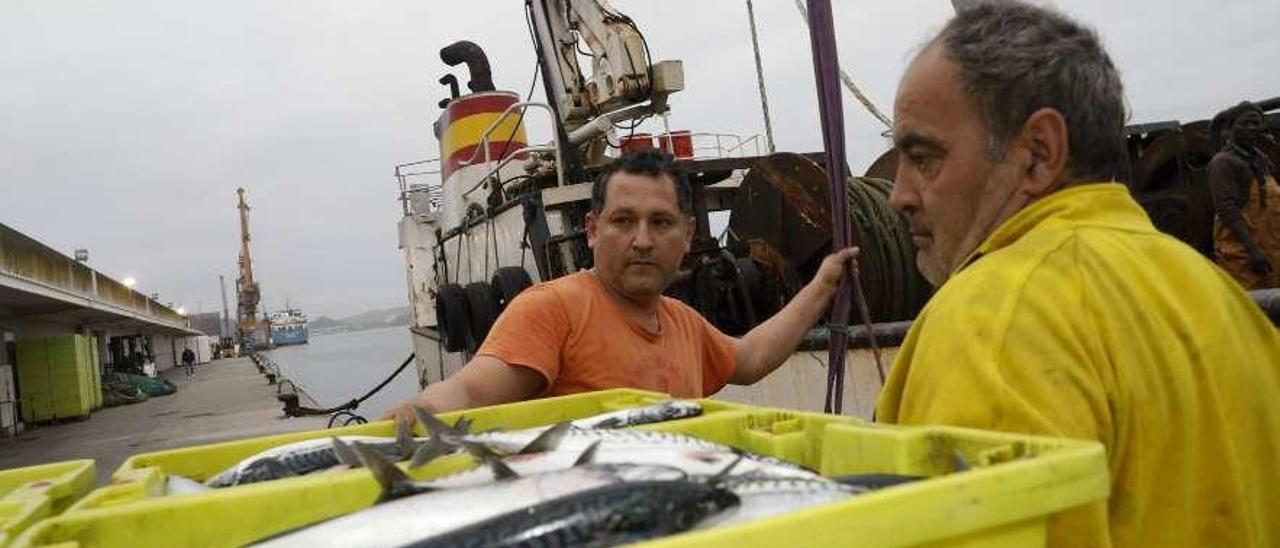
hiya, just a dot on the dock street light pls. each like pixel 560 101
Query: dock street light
pixel 129 282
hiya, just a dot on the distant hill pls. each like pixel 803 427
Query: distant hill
pixel 373 319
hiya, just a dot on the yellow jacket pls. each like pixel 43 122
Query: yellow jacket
pixel 1077 318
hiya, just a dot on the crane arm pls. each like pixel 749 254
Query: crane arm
pixel 622 74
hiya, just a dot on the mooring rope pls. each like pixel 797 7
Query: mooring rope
pixel 292 409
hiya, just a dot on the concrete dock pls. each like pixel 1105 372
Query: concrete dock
pixel 229 399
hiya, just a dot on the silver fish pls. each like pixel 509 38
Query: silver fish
pixel 414 511
pixel 454 435
pixel 763 497
pixel 603 516
pixel 308 456
pixel 649 414
pixel 557 447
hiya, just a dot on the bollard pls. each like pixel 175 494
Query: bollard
pixel 290 404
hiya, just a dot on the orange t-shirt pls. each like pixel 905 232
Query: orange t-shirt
pixel 573 333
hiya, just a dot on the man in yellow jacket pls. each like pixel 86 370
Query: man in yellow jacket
pixel 1061 310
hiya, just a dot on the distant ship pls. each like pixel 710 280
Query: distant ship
pixel 288 326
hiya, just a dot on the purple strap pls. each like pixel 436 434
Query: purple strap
pixel 826 69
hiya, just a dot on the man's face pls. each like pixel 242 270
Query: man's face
pixel 952 195
pixel 639 236
pixel 1248 128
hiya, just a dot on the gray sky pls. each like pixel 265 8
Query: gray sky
pixel 127 125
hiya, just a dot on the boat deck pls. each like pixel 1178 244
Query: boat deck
pixel 228 400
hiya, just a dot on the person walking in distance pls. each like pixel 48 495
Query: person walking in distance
pixel 189 362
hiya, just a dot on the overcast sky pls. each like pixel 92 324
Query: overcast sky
pixel 126 126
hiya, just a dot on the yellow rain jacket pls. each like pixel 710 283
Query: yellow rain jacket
pixel 1077 318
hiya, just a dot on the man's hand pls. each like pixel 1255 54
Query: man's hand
pixel 1259 264
pixel 404 411
pixel 485 380
pixel 767 346
pixel 833 266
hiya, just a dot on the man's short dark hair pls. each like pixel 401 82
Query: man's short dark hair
pixel 1015 58
pixel 652 162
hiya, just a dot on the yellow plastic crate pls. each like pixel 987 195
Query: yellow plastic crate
pixel 982 488
pixel 30 494
pixel 1002 495
pixel 144 476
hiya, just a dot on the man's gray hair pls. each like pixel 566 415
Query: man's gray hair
pixel 1014 59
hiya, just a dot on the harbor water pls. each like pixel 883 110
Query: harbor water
pixel 338 367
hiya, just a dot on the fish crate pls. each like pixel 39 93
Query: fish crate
pixel 144 476
pixel 972 488
pixel 33 493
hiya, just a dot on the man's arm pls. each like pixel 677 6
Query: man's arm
pixel 485 380
pixel 767 346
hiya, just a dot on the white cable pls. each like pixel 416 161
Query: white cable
pixel 848 81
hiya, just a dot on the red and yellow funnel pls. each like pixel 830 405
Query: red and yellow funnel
pixel 462 127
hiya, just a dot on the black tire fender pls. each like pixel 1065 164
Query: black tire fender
pixel 453 317
pixel 481 316
pixel 507 282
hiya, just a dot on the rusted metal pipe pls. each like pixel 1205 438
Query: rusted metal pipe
pixel 466 51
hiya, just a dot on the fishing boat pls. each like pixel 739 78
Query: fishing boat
pixel 498 210
pixel 288 327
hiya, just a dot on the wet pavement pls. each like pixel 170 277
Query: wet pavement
pixel 228 399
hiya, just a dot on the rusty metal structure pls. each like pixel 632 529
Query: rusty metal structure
pixel 252 330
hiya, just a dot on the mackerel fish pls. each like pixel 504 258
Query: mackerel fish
pixel 619 513
pixel 763 497
pixel 659 412
pixel 309 456
pixel 416 511
pixel 558 447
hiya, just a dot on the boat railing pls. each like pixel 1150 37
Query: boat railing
pixel 484 181
pixel 710 146
pixel 522 106
pixel 433 190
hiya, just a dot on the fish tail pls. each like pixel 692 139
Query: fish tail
pixel 548 440
pixel 432 423
pixel 404 438
pixel 394 482
pixel 491 458
pixel 346 455
pixel 429 451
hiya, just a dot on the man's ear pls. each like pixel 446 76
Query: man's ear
pixel 691 228
pixel 592 226
pixel 1044 137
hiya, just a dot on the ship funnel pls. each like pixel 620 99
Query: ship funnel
pixel 466 51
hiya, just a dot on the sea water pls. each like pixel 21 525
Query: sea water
pixel 336 368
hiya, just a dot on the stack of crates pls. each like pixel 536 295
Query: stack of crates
pixel 58 377
pixel 94 367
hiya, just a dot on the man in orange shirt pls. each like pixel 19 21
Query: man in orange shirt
pixel 611 326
